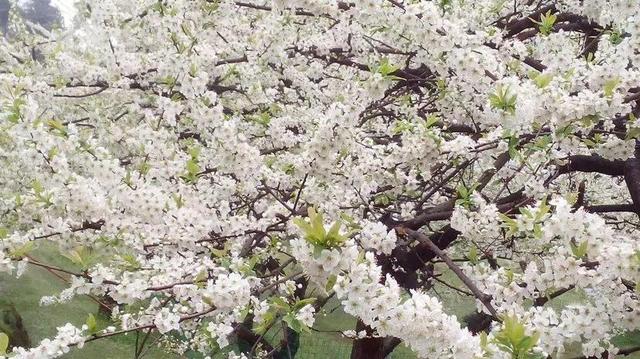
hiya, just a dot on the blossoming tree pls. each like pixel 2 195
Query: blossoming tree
pixel 218 169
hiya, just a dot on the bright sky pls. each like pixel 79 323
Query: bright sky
pixel 67 10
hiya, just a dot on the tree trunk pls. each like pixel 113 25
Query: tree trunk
pixel 367 348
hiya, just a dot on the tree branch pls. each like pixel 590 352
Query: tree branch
pixel 582 163
pixel 482 297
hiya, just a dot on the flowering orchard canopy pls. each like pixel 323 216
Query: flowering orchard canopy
pixel 217 170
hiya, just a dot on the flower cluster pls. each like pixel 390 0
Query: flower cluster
pixel 376 236
pixel 66 337
pixel 177 160
pixel 382 307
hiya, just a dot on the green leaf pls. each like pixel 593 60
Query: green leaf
pixel 37 187
pixel 537 230
pixel 294 323
pixel 533 340
pixel 564 131
pixel 193 167
pixel 57 127
pixel 131 263
pixel 610 87
pixel 317 250
pixel 385 68
pixel 509 274
pixel 144 168
pixel 92 325
pixel 168 80
pixel 74 256
pixel 402 127
pixel 431 120
pixel 615 37
pixel 349 221
pixel 382 199
pixel 243 313
pixel 177 198
pixel 545 25
pixel 541 143
pixel 334 231
pixel 580 251
pixel 331 282
pixel 502 99
pixel 19 201
pixel 81 256
pixel 633 133
pixel 589 57
pixel 4 343
pixel 508 220
pixel 301 303
pixel 304 225
pixel 267 318
pixel 201 279
pixel 526 212
pixel 512 338
pixel 280 303
pixel 316 234
pixel 473 255
pixel 513 147
pixel 463 192
pixel 442 88
pixel 317 221
pixel 15 110
pixel 127 179
pixel 543 209
pixel 289 169
pixel 263 118
pixel 52 153
pixel 543 80
pixel 22 251
pixel 483 340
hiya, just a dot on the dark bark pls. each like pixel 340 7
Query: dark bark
pixel 412 259
pixel 11 324
pixel 540 301
pixel 632 178
pixel 582 163
pixel 478 322
pixel 390 344
pixel 607 208
pixel 247 339
pixel 367 348
pixel 516 26
pixel 288 346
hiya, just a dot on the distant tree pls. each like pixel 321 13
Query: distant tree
pixel 41 12
pixel 4 16
pixel 37 11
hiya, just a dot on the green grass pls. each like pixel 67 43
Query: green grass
pixel 41 322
